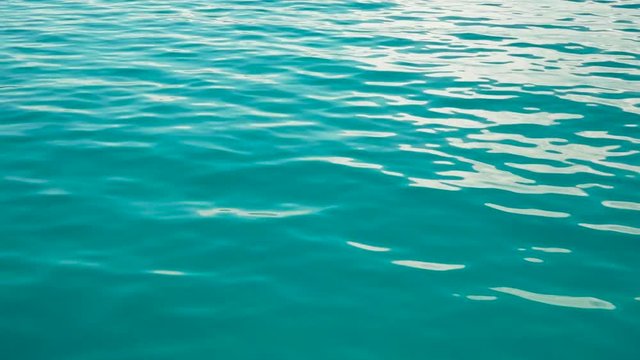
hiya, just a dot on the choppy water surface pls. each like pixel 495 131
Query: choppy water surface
pixel 393 179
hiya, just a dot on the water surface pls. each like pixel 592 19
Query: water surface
pixel 381 179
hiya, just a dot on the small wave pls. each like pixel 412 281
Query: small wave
pixel 613 227
pixel 559 300
pixel 552 250
pixel 252 213
pixel 368 247
pixel 428 265
pixel 623 205
pixel 530 212
pixel 167 272
pixel 481 297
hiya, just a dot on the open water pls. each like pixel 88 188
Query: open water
pixel 381 179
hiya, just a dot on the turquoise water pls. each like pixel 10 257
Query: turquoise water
pixel 392 179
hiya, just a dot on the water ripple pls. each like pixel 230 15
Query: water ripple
pixel 613 227
pixel 559 300
pixel 531 212
pixel 367 247
pixel 428 265
pixel 252 213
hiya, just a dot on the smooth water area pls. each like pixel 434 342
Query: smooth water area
pixel 372 179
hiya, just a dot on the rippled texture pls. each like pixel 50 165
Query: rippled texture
pixel 392 179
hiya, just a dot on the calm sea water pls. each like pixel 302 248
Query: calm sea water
pixel 383 179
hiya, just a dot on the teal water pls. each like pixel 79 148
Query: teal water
pixel 383 179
